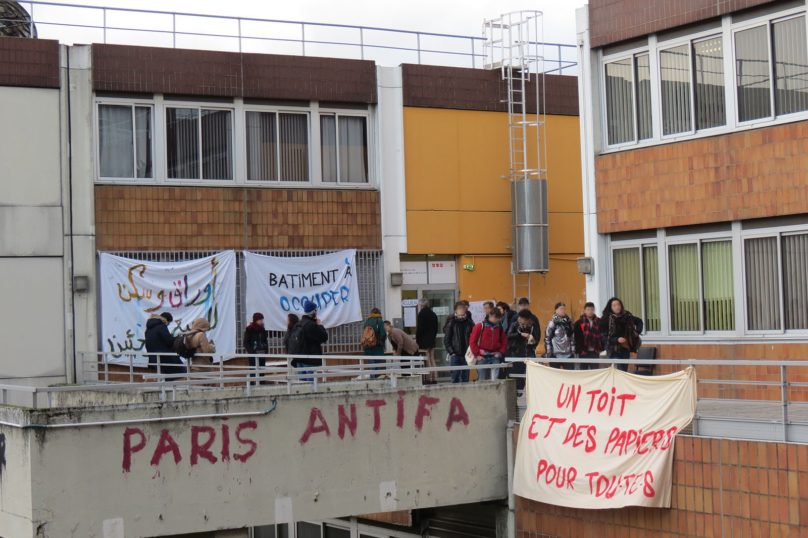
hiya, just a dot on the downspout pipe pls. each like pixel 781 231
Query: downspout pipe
pixel 511 496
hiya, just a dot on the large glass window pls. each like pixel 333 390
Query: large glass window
pixel 790 66
pixel 684 287
pixel 752 72
pixel 124 141
pixel 199 143
pixel 719 286
pixel 674 67
pixel 762 284
pixel 270 160
pixel 344 148
pixel 708 79
pixel 644 114
pixel 795 281
pixel 636 283
pixel 628 96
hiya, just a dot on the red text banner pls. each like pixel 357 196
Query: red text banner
pixel 601 438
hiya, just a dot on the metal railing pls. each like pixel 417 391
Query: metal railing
pixel 734 401
pixel 387 46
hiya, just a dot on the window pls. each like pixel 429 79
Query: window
pixel 124 141
pixel 752 73
pixel 790 66
pixel 277 146
pixel 344 147
pixel 762 284
pixel 636 283
pixel 708 71
pixel 675 81
pixel 199 141
pixel 684 287
pixel 795 281
pixel 719 295
pixel 621 98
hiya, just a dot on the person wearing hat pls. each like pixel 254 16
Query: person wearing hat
pixel 558 338
pixel 159 340
pixel 307 338
pixel 256 341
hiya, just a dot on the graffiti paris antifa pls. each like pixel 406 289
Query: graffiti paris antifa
pixel 132 290
pixel 279 286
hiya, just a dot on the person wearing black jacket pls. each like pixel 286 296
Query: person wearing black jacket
pixel 426 335
pixel 456 340
pixel 256 341
pixel 523 337
pixel 588 340
pixel 314 336
pixel 159 340
pixel 620 331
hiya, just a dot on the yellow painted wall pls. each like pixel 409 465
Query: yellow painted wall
pixel 459 204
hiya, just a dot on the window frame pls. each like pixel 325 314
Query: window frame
pixel 632 55
pixel 277 111
pixel 641 245
pixel 132 103
pixel 200 106
pixel 727 31
pixel 337 113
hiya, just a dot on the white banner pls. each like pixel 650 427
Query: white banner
pixel 601 438
pixel 132 290
pixel 279 286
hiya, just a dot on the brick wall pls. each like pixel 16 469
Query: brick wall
pixel 430 86
pixel 616 20
pixel 744 175
pixel 230 74
pixel 199 218
pixel 721 488
pixel 29 62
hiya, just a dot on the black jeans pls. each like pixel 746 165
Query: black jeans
pixel 261 362
pixel 169 364
pixel 591 365
pixel 620 352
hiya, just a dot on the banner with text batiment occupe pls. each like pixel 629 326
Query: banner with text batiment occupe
pixel 601 438
pixel 278 286
pixel 132 290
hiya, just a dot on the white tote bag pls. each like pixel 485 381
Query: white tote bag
pixel 471 358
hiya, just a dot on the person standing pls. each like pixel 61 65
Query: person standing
pixel 620 331
pixel 522 343
pixel 403 344
pixel 291 321
pixel 197 341
pixel 456 337
pixel 426 335
pixel 558 340
pixel 489 343
pixel 159 340
pixel 256 341
pixel 588 341
pixel 376 324
pixel 507 315
pixel 307 338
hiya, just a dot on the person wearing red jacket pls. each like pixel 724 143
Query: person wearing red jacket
pixel 488 342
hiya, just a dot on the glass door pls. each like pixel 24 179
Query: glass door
pixel 441 301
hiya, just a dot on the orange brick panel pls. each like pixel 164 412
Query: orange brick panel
pixel 203 218
pixel 745 175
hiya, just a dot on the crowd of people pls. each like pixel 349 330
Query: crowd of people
pixel 503 333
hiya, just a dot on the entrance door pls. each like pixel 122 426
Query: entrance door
pixel 441 301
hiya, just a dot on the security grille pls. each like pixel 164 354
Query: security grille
pixel 342 339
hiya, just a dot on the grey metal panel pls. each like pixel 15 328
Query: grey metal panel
pixel 531 251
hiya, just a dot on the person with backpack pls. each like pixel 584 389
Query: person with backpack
pixel 620 331
pixel 196 341
pixel 291 321
pixel 488 343
pixel 558 341
pixel 456 336
pixel 159 340
pixel 426 335
pixel 256 341
pixel 588 340
pixel 522 342
pixel 307 338
pixel 374 338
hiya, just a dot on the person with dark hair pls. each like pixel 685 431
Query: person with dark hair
pixel 489 343
pixel 159 340
pixel 376 324
pixel 507 315
pixel 457 333
pixel 426 334
pixel 558 341
pixel 291 321
pixel 307 338
pixel 524 304
pixel 620 331
pixel 256 341
pixel 522 343
pixel 588 341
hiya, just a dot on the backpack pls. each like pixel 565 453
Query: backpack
pixel 183 350
pixel 369 337
pixel 297 340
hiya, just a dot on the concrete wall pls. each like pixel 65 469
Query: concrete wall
pixel 440 446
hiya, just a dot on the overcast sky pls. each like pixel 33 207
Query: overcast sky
pixel 461 17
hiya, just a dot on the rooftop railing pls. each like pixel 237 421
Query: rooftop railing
pixel 73 23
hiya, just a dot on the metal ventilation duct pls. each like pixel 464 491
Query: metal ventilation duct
pixel 530 237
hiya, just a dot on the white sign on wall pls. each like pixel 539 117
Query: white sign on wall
pixel 443 272
pixel 413 273
pixel 132 290
pixel 278 286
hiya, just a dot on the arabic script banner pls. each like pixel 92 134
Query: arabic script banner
pixel 601 438
pixel 132 290
pixel 277 287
